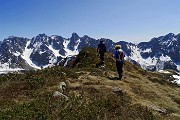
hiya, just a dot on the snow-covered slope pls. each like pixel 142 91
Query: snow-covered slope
pixel 26 55
pixel 162 52
pixel 42 51
pixel 150 63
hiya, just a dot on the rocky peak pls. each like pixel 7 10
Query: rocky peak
pixel 74 36
pixel 73 41
pixel 41 38
pixel 85 36
pixel 14 44
pixel 38 41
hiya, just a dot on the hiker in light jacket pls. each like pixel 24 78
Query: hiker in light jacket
pixel 119 56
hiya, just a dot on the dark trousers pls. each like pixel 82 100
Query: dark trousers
pixel 119 66
pixel 102 56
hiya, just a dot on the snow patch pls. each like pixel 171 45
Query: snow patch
pixel 11 70
pixel 177 78
pixel 70 52
pixel 53 36
pixel 55 52
pixel 136 56
pixel 165 58
pixel 147 50
pixel 16 54
pixel 26 56
pixel 68 58
pixel 148 62
pixel 178 66
pixel 5 68
pixel 164 71
pixel 36 46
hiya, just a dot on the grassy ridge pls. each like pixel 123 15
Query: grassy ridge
pixel 94 93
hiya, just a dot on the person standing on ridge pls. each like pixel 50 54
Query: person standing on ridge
pixel 101 49
pixel 119 56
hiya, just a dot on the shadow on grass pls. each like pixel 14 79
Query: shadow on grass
pixel 98 64
pixel 113 78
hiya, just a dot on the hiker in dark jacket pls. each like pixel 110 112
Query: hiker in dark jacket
pixel 101 49
pixel 119 56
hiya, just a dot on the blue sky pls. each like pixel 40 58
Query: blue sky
pixel 129 20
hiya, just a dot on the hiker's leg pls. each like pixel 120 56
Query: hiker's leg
pixel 119 69
pixel 119 72
pixel 102 57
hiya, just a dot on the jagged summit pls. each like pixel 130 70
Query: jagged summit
pixel 74 36
pixel 85 36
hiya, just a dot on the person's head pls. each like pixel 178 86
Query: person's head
pixel 117 47
pixel 101 42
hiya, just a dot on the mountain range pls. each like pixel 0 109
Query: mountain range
pixel 43 51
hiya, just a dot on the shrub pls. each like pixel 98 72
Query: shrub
pixel 36 83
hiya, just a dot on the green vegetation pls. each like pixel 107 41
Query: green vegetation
pixel 94 93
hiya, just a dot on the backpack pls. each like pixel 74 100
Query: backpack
pixel 102 48
pixel 120 56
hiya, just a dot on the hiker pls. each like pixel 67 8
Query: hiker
pixel 101 49
pixel 119 56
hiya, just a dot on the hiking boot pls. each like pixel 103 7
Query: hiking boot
pixel 120 77
pixel 102 62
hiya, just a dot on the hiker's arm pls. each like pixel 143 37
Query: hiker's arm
pixel 98 49
pixel 114 55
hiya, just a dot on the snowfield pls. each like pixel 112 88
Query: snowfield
pixel 177 79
